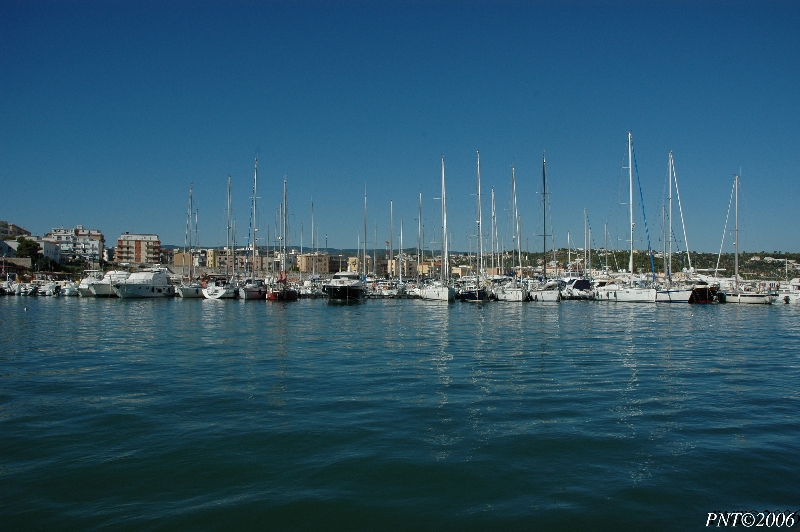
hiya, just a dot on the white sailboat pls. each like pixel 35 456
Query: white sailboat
pixel 475 291
pixel 189 287
pixel 545 290
pixel 514 290
pixel 739 294
pixel 225 288
pixel 253 288
pixel 441 289
pixel 672 293
pixel 635 290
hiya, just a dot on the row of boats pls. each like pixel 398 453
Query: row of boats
pixel 355 287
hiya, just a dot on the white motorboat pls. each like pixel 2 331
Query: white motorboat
pixel 790 293
pixel 69 289
pixel 345 286
pixel 151 282
pixel 90 277
pixel 104 287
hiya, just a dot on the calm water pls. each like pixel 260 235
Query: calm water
pixel 231 415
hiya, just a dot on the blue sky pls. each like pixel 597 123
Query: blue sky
pixel 109 110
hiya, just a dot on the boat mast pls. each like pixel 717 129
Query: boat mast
pixel 284 228
pixel 736 241
pixel 400 253
pixel 669 252
pixel 516 220
pixel 188 235
pixel 228 231
pixel 544 219
pixel 391 238
pixel 445 270
pixel 313 262
pixel 630 196
pixel 419 234
pixel 494 230
pixel 255 217
pixel 480 223
pixel 365 229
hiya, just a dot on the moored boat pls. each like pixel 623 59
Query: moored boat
pixel 147 283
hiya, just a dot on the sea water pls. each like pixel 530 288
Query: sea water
pixel 394 414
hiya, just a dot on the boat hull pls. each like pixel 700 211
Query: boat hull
pixel 130 291
pixel 102 290
pixel 344 293
pixel 258 292
pixel 511 293
pixel 438 293
pixel 284 294
pixel 219 292
pixel 545 295
pixel 190 292
pixel 673 295
pixel 750 298
pixel 479 295
pixel 627 295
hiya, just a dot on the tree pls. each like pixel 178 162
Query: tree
pixel 28 248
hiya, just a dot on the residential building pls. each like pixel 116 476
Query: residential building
pixel 78 243
pixel 9 229
pixel 138 249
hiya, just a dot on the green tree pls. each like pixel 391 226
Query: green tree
pixel 28 248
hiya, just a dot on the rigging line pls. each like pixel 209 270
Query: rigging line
pixel 646 230
pixel 683 223
pixel 727 217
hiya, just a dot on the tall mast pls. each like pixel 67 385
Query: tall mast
pixel 669 253
pixel 391 237
pixel 736 246
pixel 480 223
pixel 196 237
pixel 445 270
pixel 544 218
pixel 630 195
pixel 188 236
pixel 314 261
pixel 365 230
pixel 400 254
pixel 255 217
pixel 228 231
pixel 494 229
pixel 419 234
pixel 516 220
pixel 284 228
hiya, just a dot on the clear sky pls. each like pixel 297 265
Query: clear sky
pixel 109 110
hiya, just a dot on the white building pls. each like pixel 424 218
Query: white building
pixel 78 243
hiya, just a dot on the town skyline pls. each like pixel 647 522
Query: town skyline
pixel 111 114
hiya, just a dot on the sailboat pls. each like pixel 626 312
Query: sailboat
pixel 441 289
pixel 672 293
pixel 739 294
pixel 632 291
pixel 253 288
pixel 513 290
pixel 190 288
pixel 475 291
pixel 224 288
pixel 281 291
pixel 546 290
